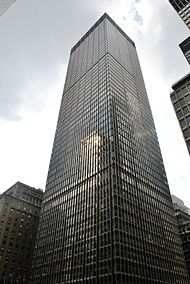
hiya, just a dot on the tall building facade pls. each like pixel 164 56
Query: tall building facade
pixel 182 214
pixel 4 5
pixel 107 215
pixel 180 98
pixel 19 215
pixel 182 7
pixel 185 48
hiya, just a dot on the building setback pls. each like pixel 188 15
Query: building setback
pixel 185 48
pixel 4 5
pixel 182 7
pixel 107 215
pixel 180 98
pixel 182 214
pixel 19 215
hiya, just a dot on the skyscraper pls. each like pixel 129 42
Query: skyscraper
pixel 107 215
pixel 180 98
pixel 4 5
pixel 182 7
pixel 185 48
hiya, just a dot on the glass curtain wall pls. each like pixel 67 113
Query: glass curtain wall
pixel 107 214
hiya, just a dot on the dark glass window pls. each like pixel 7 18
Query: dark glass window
pixel 183 123
pixel 185 110
pixel 186 133
pixel 187 98
pixel 179 114
pixel 176 105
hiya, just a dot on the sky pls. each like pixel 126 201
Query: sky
pixel 36 38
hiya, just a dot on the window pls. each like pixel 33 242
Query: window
pixel 185 110
pixel 173 97
pixel 186 133
pixel 183 123
pixel 182 102
pixel 176 105
pixel 187 98
pixel 188 119
pixel 179 114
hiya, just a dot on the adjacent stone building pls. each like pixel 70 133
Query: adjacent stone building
pixel 180 98
pixel 182 214
pixel 19 214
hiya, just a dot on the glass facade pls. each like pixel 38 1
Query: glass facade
pixel 182 7
pixel 180 98
pixel 185 48
pixel 107 215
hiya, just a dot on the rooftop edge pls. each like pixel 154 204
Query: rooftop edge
pixel 180 81
pixel 104 16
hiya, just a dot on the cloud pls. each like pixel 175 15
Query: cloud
pixel 138 18
pixel 25 144
pixel 35 40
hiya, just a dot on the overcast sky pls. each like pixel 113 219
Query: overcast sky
pixel 36 38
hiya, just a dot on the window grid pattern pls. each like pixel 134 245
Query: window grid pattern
pixel 185 48
pixel 182 7
pixel 183 221
pixel 107 213
pixel 181 102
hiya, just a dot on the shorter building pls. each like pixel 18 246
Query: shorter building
pixel 185 48
pixel 179 205
pixel 182 7
pixel 182 214
pixel 19 215
pixel 4 5
pixel 180 98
